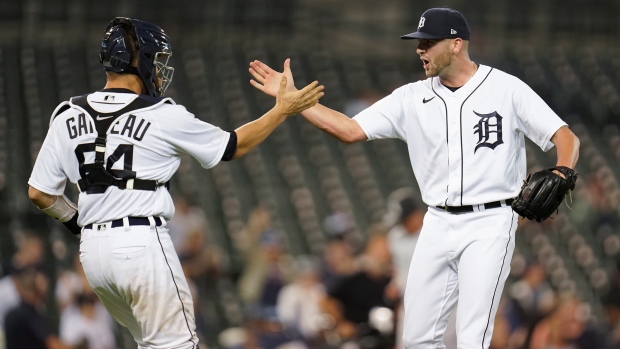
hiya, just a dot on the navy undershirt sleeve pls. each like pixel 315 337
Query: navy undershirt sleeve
pixel 231 147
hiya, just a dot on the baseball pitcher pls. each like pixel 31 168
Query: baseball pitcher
pixel 464 127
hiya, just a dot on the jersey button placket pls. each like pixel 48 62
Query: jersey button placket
pixel 454 141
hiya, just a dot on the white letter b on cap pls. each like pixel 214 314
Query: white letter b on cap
pixel 421 24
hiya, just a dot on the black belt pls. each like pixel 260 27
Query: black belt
pixel 135 184
pixel 470 208
pixel 159 221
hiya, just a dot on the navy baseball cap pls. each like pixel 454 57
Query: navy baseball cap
pixel 441 23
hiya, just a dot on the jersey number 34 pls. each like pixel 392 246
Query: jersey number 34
pixel 123 150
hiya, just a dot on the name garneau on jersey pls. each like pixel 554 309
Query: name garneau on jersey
pixel 133 127
pixel 98 176
pixel 466 147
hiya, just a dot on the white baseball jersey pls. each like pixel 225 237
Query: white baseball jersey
pixel 466 147
pixel 148 141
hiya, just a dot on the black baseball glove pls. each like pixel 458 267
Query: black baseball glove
pixel 543 191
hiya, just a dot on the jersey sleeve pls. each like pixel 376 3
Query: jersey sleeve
pixel 187 134
pixel 535 119
pixel 48 175
pixel 384 119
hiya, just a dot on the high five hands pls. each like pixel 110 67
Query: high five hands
pixel 296 101
pixel 268 80
pixel 334 123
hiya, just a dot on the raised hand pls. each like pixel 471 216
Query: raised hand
pixel 268 80
pixel 294 102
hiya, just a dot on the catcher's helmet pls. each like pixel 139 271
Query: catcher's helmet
pixel 125 38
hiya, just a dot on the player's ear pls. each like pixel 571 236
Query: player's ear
pixel 457 44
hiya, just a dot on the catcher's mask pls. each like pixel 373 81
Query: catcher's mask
pixel 126 40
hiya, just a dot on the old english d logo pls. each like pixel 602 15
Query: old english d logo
pixel 489 130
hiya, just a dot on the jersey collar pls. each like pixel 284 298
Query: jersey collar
pixel 466 89
pixel 117 90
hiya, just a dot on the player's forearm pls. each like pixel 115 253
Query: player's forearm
pixel 335 124
pixel 41 199
pixel 567 145
pixel 253 133
pixel 56 206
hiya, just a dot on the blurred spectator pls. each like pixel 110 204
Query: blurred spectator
pixel 298 305
pixel 25 325
pixel 339 225
pixel 83 318
pixel 402 239
pixel 501 329
pixel 258 222
pixel 189 234
pixel 504 336
pixel 201 324
pixel 530 299
pixel 201 261
pixel 338 263
pixel 567 327
pixel 9 296
pixel 338 255
pixel 267 269
pixel 267 266
pixel 29 254
pixel 87 322
pixel 70 284
pixel 350 302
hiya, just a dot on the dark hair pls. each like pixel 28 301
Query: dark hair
pixel 86 298
pixel 407 207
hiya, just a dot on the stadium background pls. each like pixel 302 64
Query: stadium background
pixel 565 50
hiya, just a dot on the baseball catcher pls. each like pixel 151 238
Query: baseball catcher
pixel 121 146
pixel 543 192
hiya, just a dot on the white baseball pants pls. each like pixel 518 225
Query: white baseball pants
pixel 459 256
pixel 137 275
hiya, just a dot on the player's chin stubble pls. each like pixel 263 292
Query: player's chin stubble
pixel 440 63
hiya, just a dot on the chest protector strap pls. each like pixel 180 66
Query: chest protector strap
pixel 96 179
